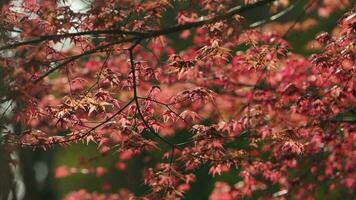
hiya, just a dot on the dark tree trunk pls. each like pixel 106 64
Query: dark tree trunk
pixel 7 183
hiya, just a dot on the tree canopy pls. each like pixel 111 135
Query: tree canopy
pixel 187 84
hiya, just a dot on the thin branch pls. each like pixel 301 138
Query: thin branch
pixel 67 35
pixel 168 107
pixel 100 72
pixel 299 17
pixel 5 111
pixel 274 17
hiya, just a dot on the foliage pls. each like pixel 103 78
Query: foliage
pixel 110 75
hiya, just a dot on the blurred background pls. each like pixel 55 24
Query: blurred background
pixel 35 170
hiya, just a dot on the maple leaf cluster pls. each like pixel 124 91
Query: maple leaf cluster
pixel 111 75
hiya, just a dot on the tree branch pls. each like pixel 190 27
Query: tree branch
pixel 67 35
pixel 91 51
pixel 145 35
pixel 233 11
pixel 134 82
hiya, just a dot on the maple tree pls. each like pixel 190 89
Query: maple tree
pixel 236 98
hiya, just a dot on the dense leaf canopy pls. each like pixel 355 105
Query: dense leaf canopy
pixel 188 84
